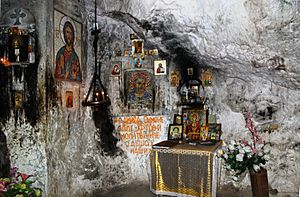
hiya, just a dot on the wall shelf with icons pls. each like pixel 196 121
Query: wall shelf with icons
pixel 22 64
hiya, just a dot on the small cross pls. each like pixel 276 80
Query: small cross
pixel 17 15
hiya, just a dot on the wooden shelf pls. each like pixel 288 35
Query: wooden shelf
pixel 19 63
pixel 197 105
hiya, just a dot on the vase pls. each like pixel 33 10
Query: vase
pixel 259 183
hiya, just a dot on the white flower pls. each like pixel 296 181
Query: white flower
pixel 267 157
pixel 256 168
pixel 259 146
pixel 238 147
pixel 249 155
pixel 247 149
pixel 231 147
pixel 266 151
pixel 241 150
pixel 225 156
pixel 239 157
pixel 232 142
pixel 228 167
pixel 260 153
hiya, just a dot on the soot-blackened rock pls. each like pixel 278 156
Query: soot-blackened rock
pixel 4 156
pixel 103 122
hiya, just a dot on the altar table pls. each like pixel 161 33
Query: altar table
pixel 185 170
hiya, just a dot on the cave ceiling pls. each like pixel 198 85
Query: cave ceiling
pixel 238 39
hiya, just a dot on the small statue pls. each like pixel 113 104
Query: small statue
pixel 17 50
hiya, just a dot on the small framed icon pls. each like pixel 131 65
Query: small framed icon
pixel 116 69
pixel 69 99
pixel 190 71
pixel 177 119
pixel 160 67
pixel 175 132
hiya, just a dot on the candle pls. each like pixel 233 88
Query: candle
pixel 186 95
pixel 103 95
pixel 97 96
pixel 17 54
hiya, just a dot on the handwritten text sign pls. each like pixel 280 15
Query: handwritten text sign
pixel 139 133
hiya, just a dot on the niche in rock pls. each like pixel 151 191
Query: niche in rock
pixel 18 66
pixel 189 66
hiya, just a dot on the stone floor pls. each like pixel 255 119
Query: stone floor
pixel 142 190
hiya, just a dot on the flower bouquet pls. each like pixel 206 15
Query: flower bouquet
pixel 18 185
pixel 241 155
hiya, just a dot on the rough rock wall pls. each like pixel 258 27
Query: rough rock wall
pixel 252 48
pixel 27 150
pixel 26 143
pixel 74 159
